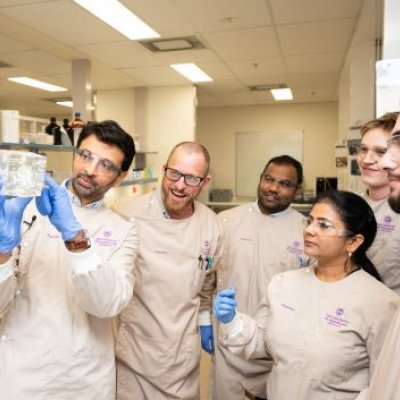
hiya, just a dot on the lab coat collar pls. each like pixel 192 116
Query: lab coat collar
pixel 277 214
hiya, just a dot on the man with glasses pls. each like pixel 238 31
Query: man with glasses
pixel 385 251
pixel 261 239
pixel 65 276
pixel 158 344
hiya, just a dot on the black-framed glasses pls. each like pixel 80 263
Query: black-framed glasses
pixel 105 166
pixel 283 183
pixel 190 180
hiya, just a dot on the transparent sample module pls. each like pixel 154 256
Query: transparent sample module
pixel 22 173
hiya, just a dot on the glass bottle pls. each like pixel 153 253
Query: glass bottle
pixel 76 124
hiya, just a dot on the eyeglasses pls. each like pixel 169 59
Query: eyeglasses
pixel 376 153
pixel 105 166
pixel 190 180
pixel 283 183
pixel 323 227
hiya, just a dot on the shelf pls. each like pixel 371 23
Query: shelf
pixel 143 181
pixel 36 146
pixel 51 147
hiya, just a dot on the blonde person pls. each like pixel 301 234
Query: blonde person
pixel 385 251
pixel 324 326
pixel 385 383
pixel 158 344
pixel 261 239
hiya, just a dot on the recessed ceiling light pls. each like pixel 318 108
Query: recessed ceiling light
pixel 192 72
pixel 115 14
pixel 282 94
pixel 23 80
pixel 65 103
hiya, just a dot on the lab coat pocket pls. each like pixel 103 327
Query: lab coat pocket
pixel 181 360
pixel 198 275
pixel 144 355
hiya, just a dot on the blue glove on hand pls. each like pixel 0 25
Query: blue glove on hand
pixel 11 212
pixel 225 306
pixel 56 204
pixel 207 339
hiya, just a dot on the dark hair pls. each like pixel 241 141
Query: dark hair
pixel 287 160
pixel 358 218
pixel 111 133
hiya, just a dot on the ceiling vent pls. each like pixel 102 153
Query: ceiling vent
pixel 172 44
pixel 266 87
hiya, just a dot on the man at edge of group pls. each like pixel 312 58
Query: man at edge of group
pixel 260 240
pixel 65 271
pixel 385 251
pixel 385 383
pixel 158 344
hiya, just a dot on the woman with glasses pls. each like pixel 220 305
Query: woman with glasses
pixel 322 326
pixel 385 251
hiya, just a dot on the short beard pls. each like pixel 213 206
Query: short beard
pixel 394 203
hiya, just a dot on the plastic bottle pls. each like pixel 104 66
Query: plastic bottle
pixel 54 129
pixel 76 124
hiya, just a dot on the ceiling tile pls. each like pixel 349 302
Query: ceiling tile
pixel 292 11
pixel 308 38
pixel 223 15
pixel 315 63
pixel 243 44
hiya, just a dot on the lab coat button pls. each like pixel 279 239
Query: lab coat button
pixel 25 244
pixel 3 338
pixel 18 292
pixel 307 269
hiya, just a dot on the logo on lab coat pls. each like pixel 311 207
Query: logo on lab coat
pixel 105 238
pixel 386 225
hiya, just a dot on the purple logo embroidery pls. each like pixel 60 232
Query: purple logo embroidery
pixel 339 311
pixel 205 249
pixel 105 239
pixel 387 219
pixel 386 225
pixel 295 248
pixel 336 320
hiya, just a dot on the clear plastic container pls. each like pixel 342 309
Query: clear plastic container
pixel 22 173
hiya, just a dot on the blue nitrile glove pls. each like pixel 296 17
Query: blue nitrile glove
pixel 11 212
pixel 225 306
pixel 207 339
pixel 56 204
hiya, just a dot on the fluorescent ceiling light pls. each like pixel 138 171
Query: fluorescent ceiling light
pixel 23 80
pixel 113 13
pixel 65 103
pixel 282 94
pixel 192 72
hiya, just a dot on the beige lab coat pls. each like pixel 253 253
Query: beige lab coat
pixel 385 383
pixel 324 337
pixel 385 251
pixel 56 308
pixel 256 247
pixel 158 346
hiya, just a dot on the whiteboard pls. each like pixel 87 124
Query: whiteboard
pixel 254 149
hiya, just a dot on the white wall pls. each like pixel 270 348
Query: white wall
pixel 171 119
pixel 117 105
pixel 216 128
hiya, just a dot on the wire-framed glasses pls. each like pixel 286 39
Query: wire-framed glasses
pixel 105 166
pixel 324 227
